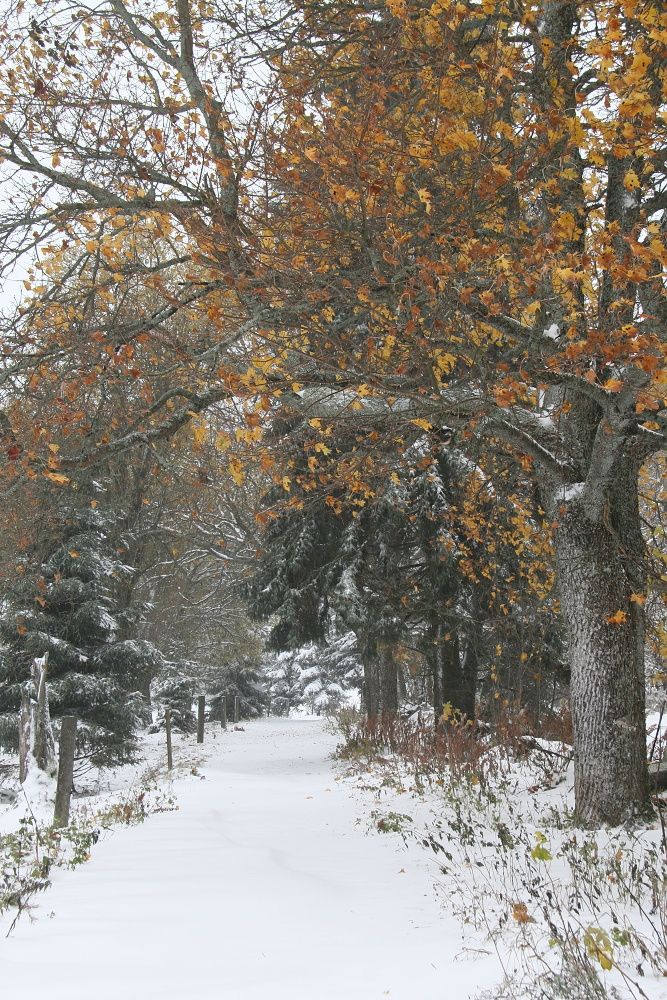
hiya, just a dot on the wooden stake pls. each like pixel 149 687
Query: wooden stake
pixel 65 770
pixel 167 726
pixel 201 708
pixel 236 708
pixel 223 712
pixel 25 720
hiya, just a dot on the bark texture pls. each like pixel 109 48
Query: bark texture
pixel 388 678
pixel 598 572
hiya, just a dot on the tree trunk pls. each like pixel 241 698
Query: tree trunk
pixel 454 676
pixel 371 685
pixel 469 665
pixel 435 661
pixel 451 670
pixel 388 678
pixel 606 652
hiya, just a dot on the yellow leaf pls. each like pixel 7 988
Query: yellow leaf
pixel 631 181
pixel 425 198
pixel 286 483
pixel 316 423
pixel 199 431
pixel 420 422
pixel 73 553
pixel 236 471
pixel 445 362
pixel 599 947
pixel 618 618
pixel 57 477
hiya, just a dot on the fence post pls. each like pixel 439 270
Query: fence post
pixel 167 726
pixel 65 770
pixel 201 708
pixel 268 709
pixel 25 722
pixel 236 708
pixel 223 712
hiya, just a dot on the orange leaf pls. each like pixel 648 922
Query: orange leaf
pixel 520 913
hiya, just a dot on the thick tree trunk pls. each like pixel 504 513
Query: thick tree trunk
pixel 451 670
pixel 606 651
pixel 371 686
pixel 388 677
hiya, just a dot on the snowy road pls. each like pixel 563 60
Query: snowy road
pixel 261 887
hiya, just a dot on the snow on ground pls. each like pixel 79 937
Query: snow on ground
pixel 264 885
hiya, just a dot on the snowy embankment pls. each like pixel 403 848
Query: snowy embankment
pixel 264 884
pixel 569 913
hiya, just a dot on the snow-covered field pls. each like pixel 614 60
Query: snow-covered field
pixel 264 885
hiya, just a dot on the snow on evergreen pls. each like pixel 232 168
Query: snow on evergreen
pixel 319 678
pixel 64 603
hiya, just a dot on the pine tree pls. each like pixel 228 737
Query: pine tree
pixel 319 677
pixel 240 678
pixel 63 603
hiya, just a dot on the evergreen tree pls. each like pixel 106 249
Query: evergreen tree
pixel 319 677
pixel 239 678
pixel 63 603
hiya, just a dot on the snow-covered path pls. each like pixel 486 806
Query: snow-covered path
pixel 261 887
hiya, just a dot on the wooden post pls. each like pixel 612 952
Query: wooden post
pixel 236 708
pixel 201 708
pixel 223 712
pixel 65 770
pixel 43 745
pixel 167 726
pixel 268 708
pixel 25 720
